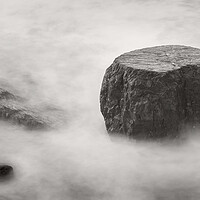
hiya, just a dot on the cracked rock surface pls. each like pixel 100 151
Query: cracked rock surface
pixel 152 92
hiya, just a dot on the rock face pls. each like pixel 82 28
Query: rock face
pixel 152 92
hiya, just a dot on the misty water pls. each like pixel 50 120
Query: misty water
pixel 54 54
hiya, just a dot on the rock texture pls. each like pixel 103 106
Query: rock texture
pixel 152 92
pixel 13 110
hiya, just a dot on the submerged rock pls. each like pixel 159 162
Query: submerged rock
pixel 14 109
pixel 152 92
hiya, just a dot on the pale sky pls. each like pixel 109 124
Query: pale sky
pixel 60 49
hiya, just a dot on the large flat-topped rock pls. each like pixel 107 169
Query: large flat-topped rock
pixel 152 92
pixel 160 58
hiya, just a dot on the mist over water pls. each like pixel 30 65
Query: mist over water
pixel 74 164
pixel 54 54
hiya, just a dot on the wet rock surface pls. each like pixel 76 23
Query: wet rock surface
pixel 6 172
pixel 152 92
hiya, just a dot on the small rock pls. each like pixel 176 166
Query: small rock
pixel 6 172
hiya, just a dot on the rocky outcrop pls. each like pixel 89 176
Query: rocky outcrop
pixel 152 92
pixel 13 110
